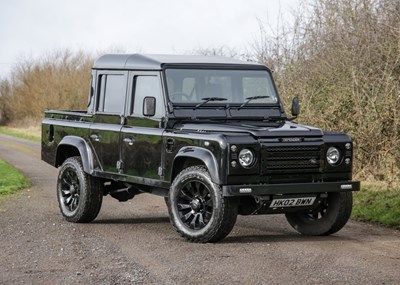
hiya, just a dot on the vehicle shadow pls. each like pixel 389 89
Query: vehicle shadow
pixel 287 237
pixel 145 220
pixel 275 236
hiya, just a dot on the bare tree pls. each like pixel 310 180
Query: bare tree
pixel 343 59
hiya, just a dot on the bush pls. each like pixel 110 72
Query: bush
pixel 342 58
pixel 56 81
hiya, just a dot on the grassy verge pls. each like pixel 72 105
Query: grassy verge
pixel 379 204
pixel 11 180
pixel 32 133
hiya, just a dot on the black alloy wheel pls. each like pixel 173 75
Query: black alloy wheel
pixel 195 205
pixel 80 195
pixel 197 208
pixel 70 190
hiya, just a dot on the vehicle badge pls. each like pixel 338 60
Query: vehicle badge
pixel 291 139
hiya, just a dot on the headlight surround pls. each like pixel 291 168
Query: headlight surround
pixel 246 158
pixel 333 156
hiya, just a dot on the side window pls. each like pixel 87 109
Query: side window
pixel 112 93
pixel 147 86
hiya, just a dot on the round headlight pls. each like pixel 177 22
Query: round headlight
pixel 333 155
pixel 246 157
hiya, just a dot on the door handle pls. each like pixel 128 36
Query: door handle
pixel 129 141
pixel 95 137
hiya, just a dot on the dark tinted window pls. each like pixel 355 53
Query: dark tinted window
pixel 112 93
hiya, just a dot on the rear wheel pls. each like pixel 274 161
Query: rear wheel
pixel 79 195
pixel 197 208
pixel 328 218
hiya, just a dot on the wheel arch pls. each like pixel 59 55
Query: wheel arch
pixel 75 146
pixel 191 156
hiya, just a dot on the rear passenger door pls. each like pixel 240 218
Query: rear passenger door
pixel 141 136
pixel 106 127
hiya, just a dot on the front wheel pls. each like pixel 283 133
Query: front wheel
pixel 197 209
pixel 328 218
pixel 79 194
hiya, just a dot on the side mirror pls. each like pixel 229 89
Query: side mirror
pixel 295 106
pixel 149 106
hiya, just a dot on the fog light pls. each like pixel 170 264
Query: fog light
pixel 245 190
pixel 233 163
pixel 347 160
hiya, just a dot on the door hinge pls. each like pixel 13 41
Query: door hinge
pixel 160 171
pixel 120 166
pixel 170 145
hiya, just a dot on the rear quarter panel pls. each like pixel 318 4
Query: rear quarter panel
pixel 56 125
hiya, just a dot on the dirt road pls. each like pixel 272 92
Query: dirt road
pixel 133 243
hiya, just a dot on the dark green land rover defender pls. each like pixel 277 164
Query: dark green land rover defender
pixel 210 134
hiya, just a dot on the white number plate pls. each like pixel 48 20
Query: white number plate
pixel 292 202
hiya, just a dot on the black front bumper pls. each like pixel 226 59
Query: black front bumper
pixel 290 188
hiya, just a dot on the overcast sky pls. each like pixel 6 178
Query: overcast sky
pixel 31 28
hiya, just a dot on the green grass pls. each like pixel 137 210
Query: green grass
pixel 378 204
pixel 11 180
pixel 27 134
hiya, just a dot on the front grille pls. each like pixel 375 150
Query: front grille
pixel 290 158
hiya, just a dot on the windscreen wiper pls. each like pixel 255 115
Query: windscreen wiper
pixel 249 99
pixel 209 99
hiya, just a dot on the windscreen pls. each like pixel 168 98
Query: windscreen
pixel 228 86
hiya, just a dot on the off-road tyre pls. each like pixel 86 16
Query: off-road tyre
pixel 329 218
pixel 79 194
pixel 197 209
